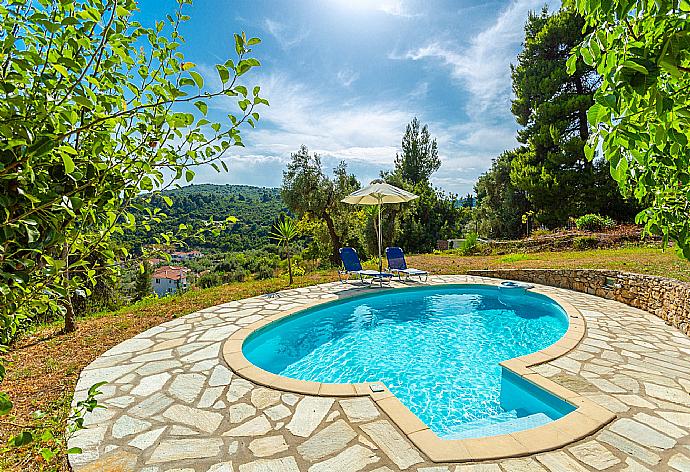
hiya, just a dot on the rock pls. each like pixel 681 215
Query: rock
pixel 521 465
pixel 278 412
pixel 391 442
pixel 595 455
pixel 560 461
pixel 237 389
pixel 220 376
pixel 150 384
pixel 359 409
pixel 151 406
pixel 680 462
pixel 146 440
pixel 641 434
pixel 308 415
pixel 179 449
pixel 201 354
pixel 352 459
pixel 221 467
pixel 290 399
pixel 126 426
pixel 202 420
pixel 285 464
pixel 268 446
pixel 254 427
pixel 629 447
pixel 240 412
pixel 264 397
pixel 186 387
pixel 114 461
pixel 209 397
pixel 329 440
pixel 668 394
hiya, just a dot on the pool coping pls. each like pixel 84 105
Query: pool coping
pixel 586 419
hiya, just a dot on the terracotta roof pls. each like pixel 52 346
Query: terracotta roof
pixel 170 272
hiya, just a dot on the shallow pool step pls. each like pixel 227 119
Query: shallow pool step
pixel 492 427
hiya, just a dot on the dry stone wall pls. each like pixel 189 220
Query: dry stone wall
pixel 669 299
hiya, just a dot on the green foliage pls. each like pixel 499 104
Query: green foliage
pixel 95 109
pixel 50 440
pixel 417 225
pixel 254 208
pixel 284 232
pixel 315 197
pixel 142 282
pixel 501 203
pixel 551 106
pixel 419 158
pixel 594 222
pixel 515 257
pixel 641 114
pixel 469 245
pixel 585 242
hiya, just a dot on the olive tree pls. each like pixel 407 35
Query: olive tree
pixel 96 109
pixel 641 114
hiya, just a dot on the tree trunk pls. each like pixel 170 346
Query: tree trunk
pixel 583 124
pixel 335 239
pixel 70 323
pixel 287 251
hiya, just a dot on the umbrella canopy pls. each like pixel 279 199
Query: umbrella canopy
pixel 378 194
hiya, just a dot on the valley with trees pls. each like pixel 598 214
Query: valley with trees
pixel 104 126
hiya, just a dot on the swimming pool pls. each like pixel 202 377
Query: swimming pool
pixel 436 348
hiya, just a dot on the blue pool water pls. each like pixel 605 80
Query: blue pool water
pixel 436 348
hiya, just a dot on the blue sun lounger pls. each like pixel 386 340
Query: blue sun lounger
pixel 352 266
pixel 398 266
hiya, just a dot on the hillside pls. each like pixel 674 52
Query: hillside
pixel 256 209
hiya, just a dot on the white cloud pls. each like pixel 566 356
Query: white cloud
pixel 286 37
pixel 347 77
pixel 395 8
pixel 483 66
pixel 365 134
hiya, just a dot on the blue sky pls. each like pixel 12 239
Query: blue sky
pixel 345 77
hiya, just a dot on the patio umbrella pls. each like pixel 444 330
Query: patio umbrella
pixel 378 194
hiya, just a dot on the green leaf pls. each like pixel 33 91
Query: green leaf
pixel 198 80
pixel 202 106
pixel 5 404
pixel 61 69
pixel 223 73
pixel 21 439
pixel 636 67
pixel 68 162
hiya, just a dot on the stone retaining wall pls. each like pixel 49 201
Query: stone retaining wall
pixel 669 299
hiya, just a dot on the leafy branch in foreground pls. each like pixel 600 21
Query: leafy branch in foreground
pixel 641 114
pixel 96 109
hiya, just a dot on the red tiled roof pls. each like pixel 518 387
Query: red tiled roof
pixel 170 272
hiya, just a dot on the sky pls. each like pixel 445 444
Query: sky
pixel 345 77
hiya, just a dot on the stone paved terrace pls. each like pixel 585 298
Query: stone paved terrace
pixel 173 405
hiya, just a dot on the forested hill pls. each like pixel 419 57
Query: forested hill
pixel 256 209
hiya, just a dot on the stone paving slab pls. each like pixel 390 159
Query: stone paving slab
pixel 173 404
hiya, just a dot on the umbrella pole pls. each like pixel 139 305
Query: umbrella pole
pixel 380 260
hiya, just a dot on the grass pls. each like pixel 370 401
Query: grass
pixel 44 365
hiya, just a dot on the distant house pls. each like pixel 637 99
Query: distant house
pixel 169 279
pixel 180 256
pixel 154 261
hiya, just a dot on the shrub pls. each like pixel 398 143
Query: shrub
pixel 594 222
pixel 538 233
pixel 469 245
pixel 209 280
pixel 585 242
